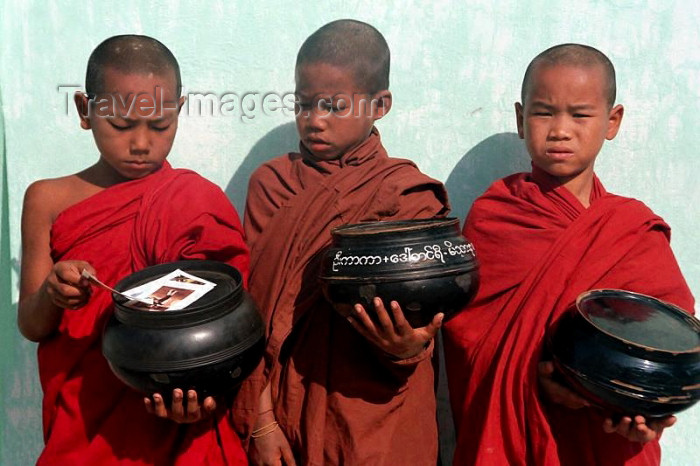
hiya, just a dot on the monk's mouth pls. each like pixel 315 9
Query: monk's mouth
pixel 316 143
pixel 559 155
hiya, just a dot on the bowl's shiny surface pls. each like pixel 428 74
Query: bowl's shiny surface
pixel 629 353
pixel 427 266
pixel 209 346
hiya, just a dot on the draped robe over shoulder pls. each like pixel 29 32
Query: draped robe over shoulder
pixel 90 417
pixel 539 248
pixel 336 397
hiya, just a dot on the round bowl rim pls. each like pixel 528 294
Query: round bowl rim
pixel 195 309
pixel 392 226
pixel 685 315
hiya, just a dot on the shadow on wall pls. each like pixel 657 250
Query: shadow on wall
pixel 493 158
pixel 279 141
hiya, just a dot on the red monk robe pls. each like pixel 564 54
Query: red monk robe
pixel 90 417
pixel 539 248
pixel 336 397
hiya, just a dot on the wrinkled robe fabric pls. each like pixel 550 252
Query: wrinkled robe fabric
pixel 539 248
pixel 337 398
pixel 89 416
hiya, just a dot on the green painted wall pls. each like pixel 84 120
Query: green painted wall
pixel 7 332
pixel 456 71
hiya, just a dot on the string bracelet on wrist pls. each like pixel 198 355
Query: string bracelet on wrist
pixel 264 430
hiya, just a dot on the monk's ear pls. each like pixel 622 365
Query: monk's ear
pixel 180 103
pixel 383 103
pixel 519 119
pixel 614 120
pixel 82 105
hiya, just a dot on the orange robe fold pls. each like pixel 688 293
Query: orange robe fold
pixel 539 248
pixel 90 417
pixel 336 397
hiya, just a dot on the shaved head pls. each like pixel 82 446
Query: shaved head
pixel 350 44
pixel 577 55
pixel 130 54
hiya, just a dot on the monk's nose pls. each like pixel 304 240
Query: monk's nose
pixel 315 119
pixel 140 140
pixel 559 128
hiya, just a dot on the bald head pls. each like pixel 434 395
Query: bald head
pixel 350 44
pixel 577 55
pixel 130 54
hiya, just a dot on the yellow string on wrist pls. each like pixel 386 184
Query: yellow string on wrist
pixel 264 430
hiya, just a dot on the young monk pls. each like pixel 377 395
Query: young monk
pixel 129 210
pixel 542 239
pixel 337 390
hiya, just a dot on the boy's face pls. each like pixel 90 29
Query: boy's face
pixel 333 114
pixel 133 121
pixel 565 119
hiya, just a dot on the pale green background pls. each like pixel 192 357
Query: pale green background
pixel 456 71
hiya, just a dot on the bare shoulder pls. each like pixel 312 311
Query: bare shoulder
pixel 45 199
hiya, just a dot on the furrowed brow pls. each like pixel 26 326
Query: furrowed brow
pixel 581 107
pixel 541 105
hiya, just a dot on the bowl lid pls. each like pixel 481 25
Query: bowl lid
pixel 220 299
pixel 641 320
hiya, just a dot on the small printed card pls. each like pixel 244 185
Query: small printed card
pixel 174 291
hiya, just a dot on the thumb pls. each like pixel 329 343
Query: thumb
pixel 546 367
pixel 209 404
pixel 433 327
pixel 84 265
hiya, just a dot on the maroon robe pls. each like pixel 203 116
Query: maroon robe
pixel 539 248
pixel 90 417
pixel 338 399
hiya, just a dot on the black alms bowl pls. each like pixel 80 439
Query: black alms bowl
pixel 427 266
pixel 629 353
pixel 209 346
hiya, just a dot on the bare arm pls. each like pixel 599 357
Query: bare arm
pixel 46 289
pixel 268 445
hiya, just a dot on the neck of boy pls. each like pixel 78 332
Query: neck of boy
pixel 579 185
pixel 102 175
